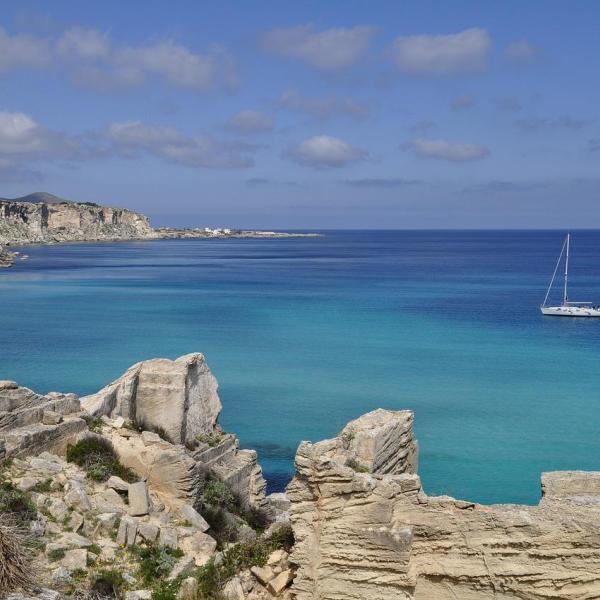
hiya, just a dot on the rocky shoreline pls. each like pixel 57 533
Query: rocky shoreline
pixel 25 223
pixel 136 492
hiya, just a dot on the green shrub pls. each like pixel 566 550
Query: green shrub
pixel 43 487
pixel 94 423
pixel 165 590
pixel 107 583
pixel 98 457
pixel 56 554
pixel 218 494
pixel 212 439
pixel 156 563
pixel 212 577
pixel 354 464
pixel 16 503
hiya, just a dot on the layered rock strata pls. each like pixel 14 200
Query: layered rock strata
pixel 365 528
pixel 179 400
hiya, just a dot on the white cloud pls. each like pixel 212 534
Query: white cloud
pixel 93 59
pixel 521 51
pixel 323 107
pixel 324 151
pixel 134 139
pixel 329 49
pixel 444 150
pixel 463 52
pixel 250 121
pixel 462 102
pixel 22 51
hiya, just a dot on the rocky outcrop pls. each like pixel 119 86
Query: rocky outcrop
pixel 365 528
pixel 178 399
pixel 26 223
pixel 31 423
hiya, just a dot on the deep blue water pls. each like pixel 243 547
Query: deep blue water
pixel 305 334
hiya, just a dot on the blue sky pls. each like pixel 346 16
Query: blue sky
pixel 307 114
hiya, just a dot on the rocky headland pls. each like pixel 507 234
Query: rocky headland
pixel 42 218
pixel 136 492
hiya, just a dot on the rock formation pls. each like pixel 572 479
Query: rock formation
pixel 179 400
pixel 365 528
pixel 26 223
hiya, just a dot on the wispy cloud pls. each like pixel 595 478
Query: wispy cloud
pixel 509 104
pixel 324 152
pixel 457 53
pixel 382 182
pixel 250 121
pixel 521 52
pixel 323 107
pixel 462 102
pixel 133 139
pixel 539 124
pixel 444 150
pixel 93 59
pixel 329 49
pixel 500 187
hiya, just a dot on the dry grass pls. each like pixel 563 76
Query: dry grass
pixel 16 570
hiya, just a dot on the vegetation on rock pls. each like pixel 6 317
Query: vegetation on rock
pixel 98 458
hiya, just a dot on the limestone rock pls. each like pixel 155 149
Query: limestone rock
pixel 187 591
pixel 139 595
pixel 75 560
pixel 263 574
pixel 184 567
pixel 194 517
pixel 200 545
pixel 378 535
pixel 168 537
pixel 279 583
pixel 139 501
pixel 127 532
pixel 116 483
pixel 233 590
pixel 179 397
pixel 51 417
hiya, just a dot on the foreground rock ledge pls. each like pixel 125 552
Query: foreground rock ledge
pixel 377 535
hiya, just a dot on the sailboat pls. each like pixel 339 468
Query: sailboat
pixel 568 308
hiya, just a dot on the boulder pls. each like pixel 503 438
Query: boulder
pixel 279 583
pixel 189 513
pixel 139 501
pixel 116 483
pixel 148 531
pixel 51 417
pixel 179 397
pixel 200 546
pixel 127 532
pixel 75 560
pixel 263 574
pixel 233 590
pixel 168 537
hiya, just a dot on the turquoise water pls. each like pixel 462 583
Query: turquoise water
pixel 305 334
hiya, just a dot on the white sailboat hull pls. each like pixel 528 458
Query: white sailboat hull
pixel 570 311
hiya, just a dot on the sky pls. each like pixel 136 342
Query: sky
pixel 307 115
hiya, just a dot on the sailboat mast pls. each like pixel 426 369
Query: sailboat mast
pixel 566 295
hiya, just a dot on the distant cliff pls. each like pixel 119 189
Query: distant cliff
pixel 28 220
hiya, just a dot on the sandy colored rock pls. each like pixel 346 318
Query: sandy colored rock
pixel 378 535
pixel 75 560
pixel 189 513
pixel 279 583
pixel 139 501
pixel 233 590
pixel 263 574
pixel 199 545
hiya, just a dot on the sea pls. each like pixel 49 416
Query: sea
pixel 305 334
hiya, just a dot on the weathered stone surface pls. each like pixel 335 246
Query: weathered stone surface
pixel 179 397
pixel 200 545
pixel 279 583
pixel 233 590
pixel 184 567
pixel 109 501
pixel 127 532
pixel 139 501
pixel 378 535
pixel 139 595
pixel 51 417
pixel 189 513
pixel 116 483
pixel 58 509
pixel 187 591
pixel 148 531
pixel 263 574
pixel 75 560
pixel 168 537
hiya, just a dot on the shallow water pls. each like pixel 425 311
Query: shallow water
pixel 305 334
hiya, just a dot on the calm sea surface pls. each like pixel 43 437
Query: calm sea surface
pixel 305 334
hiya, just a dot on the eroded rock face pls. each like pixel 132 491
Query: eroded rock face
pixel 178 397
pixel 24 223
pixel 378 535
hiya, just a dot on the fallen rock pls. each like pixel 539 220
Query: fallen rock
pixel 61 576
pixel 127 532
pixel 183 567
pixel 148 531
pixel 51 418
pixel 75 560
pixel 139 501
pixel 116 483
pixel 233 590
pixel 168 537
pixel 200 545
pixel 278 584
pixel 187 590
pixel 263 574
pixel 194 517
pixel 109 501
pixel 58 509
